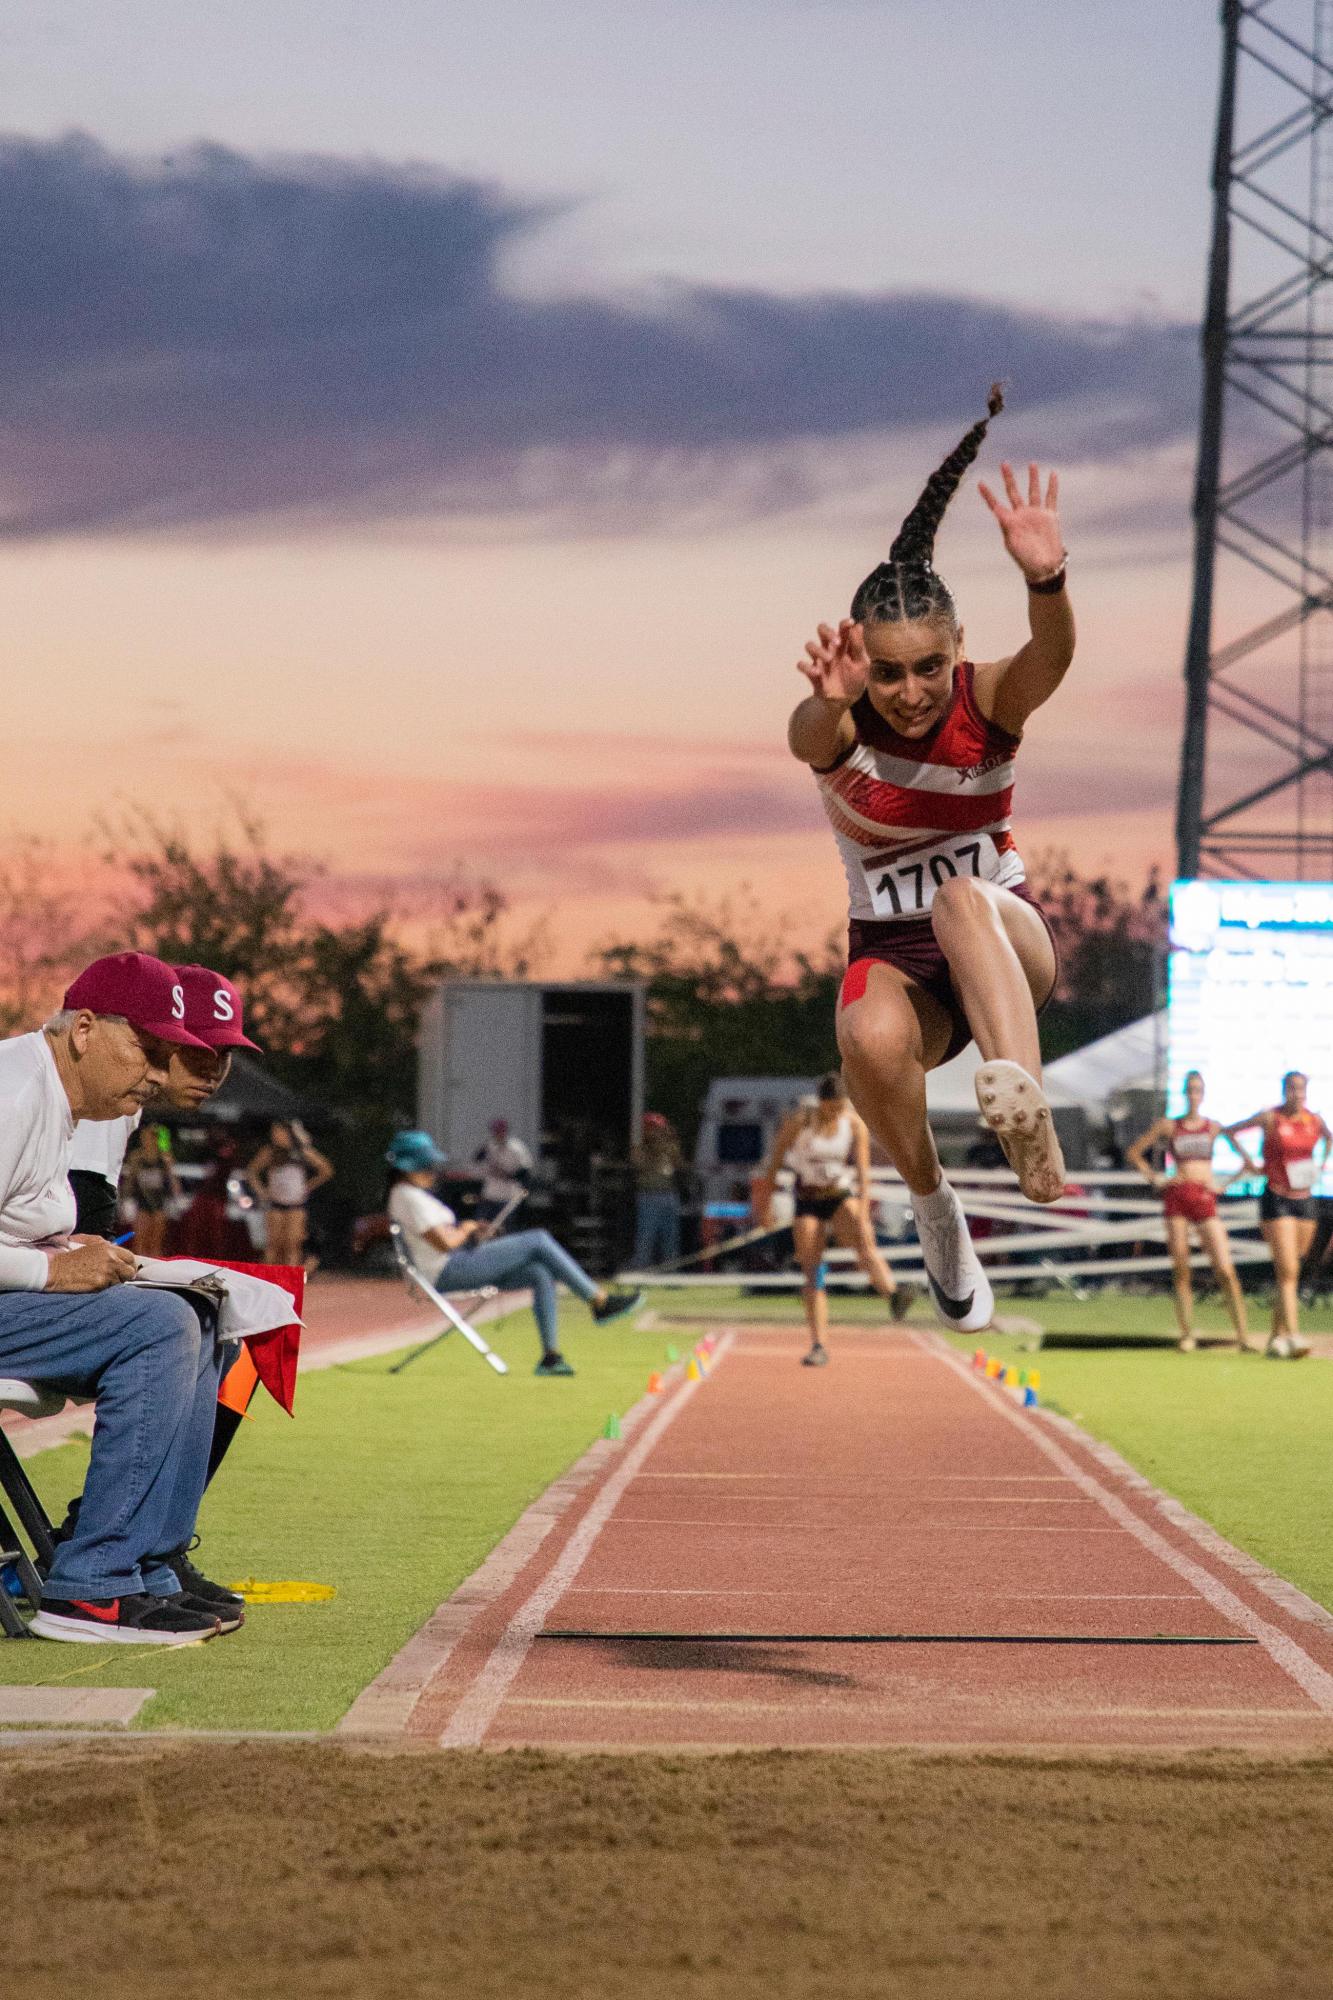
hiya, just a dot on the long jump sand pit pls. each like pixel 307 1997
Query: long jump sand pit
pixel 140 1870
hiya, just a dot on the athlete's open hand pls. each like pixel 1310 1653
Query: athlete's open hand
pixel 837 663
pixel 1031 527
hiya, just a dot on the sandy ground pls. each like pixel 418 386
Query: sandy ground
pixel 316 1870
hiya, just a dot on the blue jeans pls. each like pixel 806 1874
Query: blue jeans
pixel 531 1258
pixel 656 1227
pixel 154 1374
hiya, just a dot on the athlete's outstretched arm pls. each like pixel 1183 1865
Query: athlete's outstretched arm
pixel 1258 1121
pixel 836 666
pixel 1009 690
pixel 1136 1155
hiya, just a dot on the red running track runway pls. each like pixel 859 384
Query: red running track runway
pixel 892 1492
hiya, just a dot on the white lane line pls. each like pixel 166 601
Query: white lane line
pixel 1314 1680
pixel 475 1713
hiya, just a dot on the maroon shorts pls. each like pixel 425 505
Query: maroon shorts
pixel 1190 1201
pixel 912 946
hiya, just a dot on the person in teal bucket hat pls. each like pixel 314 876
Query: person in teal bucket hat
pixel 459 1256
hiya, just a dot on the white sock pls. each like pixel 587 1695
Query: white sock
pixel 934 1207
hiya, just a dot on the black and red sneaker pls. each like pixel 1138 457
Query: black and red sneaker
pixel 226 1603
pixel 139 1620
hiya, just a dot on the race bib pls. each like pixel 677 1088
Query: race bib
pixel 905 886
pixel 1302 1174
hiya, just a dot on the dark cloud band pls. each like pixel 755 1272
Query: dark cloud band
pixel 213 337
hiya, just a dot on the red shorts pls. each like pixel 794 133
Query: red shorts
pixel 1190 1201
pixel 912 946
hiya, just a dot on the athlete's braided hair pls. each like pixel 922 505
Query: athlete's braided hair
pixel 907 586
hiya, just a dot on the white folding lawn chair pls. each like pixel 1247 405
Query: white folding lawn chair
pixel 454 1320
pixel 21 1508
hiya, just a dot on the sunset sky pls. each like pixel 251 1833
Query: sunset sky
pixel 441 423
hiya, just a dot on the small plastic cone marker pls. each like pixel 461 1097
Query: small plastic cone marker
pixel 612 1426
pixel 1034 1378
pixel 1029 1398
pixel 1022 1378
pixel 1011 1378
pixel 979 1358
pixel 654 1384
pixel 694 1373
pixel 673 1354
pixel 993 1367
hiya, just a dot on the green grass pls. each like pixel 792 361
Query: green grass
pixel 391 1488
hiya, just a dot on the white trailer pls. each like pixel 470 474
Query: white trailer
pixel 562 1061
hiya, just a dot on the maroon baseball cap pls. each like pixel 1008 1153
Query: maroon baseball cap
pixel 144 990
pixel 213 1008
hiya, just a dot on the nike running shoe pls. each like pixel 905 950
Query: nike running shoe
pixel 1015 1108
pixel 817 1357
pixel 960 1288
pixel 139 1620
pixel 195 1584
pixel 617 1303
pixel 553 1364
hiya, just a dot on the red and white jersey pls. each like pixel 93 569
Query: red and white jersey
pixel 909 813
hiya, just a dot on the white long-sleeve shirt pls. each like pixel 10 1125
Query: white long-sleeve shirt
pixel 36 1132
pixel 100 1145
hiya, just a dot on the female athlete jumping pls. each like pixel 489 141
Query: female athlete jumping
pixel 913 748
pixel 1291 1132
pixel 828 1148
pixel 1189 1199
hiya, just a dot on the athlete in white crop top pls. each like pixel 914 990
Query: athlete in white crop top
pixel 828 1149
pixel 1189 1198
pixel 913 748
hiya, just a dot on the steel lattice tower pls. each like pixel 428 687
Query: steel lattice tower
pixel 1256 771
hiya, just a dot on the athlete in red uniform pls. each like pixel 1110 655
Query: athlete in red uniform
pixel 1286 1209
pixel 1189 1198
pixel 913 748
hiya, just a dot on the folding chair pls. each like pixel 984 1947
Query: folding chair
pixel 454 1320
pixel 31 1562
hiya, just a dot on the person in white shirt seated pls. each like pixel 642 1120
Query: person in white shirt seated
pixel 506 1165
pixel 70 1321
pixel 456 1256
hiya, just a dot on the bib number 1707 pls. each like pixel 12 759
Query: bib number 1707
pixel 907 888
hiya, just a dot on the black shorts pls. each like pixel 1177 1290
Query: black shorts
pixel 1299 1206
pixel 818 1205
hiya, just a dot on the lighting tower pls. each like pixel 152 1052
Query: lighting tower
pixel 1256 769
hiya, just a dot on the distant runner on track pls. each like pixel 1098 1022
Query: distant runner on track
pixel 828 1149
pixel 913 748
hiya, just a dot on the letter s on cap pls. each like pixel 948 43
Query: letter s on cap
pixel 178 1003
pixel 223 1009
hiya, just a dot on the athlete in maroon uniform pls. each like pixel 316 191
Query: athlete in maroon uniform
pixel 1189 1198
pixel 913 747
pixel 1291 1133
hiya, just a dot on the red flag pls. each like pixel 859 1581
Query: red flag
pixel 275 1354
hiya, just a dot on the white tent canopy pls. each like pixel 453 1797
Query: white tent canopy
pixel 1130 1059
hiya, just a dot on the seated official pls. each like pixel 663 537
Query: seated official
pixel 68 1319
pixel 214 1015
pixel 457 1256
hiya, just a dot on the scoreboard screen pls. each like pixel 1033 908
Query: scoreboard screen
pixel 1250 996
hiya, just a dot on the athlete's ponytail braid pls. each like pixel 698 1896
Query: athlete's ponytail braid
pixel 906 586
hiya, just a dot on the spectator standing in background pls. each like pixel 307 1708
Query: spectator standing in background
pixel 284 1173
pixel 658 1161
pixel 150 1183
pixel 506 1164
